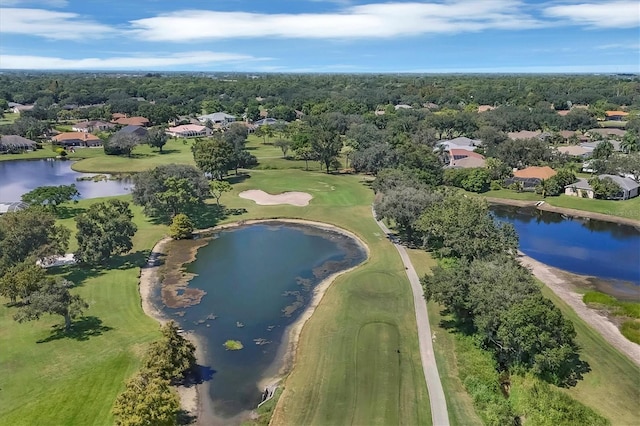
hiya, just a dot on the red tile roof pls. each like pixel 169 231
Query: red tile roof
pixel 464 153
pixel 535 172
pixel 132 121
pixel 75 135
pixel 616 113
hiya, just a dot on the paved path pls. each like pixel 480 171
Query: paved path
pixel 439 413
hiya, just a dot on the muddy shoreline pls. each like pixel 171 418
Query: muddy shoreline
pixel 194 399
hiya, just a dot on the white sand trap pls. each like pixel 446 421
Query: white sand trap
pixel 265 199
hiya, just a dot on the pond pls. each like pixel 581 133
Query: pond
pixel 258 280
pixel 20 176
pixel 583 246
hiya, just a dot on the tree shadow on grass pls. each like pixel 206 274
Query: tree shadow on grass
pixel 168 151
pixel 78 274
pixel 68 211
pixel 81 329
pixel 237 178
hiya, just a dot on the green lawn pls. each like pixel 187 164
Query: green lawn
pixel 50 379
pixel 9 118
pixel 353 337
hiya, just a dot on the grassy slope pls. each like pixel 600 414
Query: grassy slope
pixel 74 381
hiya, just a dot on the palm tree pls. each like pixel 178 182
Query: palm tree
pixel 630 142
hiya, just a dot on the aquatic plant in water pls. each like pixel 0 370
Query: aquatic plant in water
pixel 233 345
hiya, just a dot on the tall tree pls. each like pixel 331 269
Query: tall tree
pixel 180 195
pixel 51 196
pixel 157 138
pixel 30 234
pixel 52 297
pixel 172 356
pixel 147 400
pixel 213 157
pixel 219 187
pixel 105 229
pixel 121 143
pixel 21 280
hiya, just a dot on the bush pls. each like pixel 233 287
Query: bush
pixel 495 185
pixel 181 227
pixel 631 330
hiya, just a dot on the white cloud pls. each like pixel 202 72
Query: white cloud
pixel 604 14
pixel 50 3
pixel 51 24
pixel 378 20
pixel 618 46
pixel 123 62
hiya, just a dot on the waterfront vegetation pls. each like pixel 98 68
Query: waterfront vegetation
pixel 357 360
pixel 628 311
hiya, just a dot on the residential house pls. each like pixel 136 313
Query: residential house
pixel 402 106
pixel 431 106
pixel 19 109
pixel 459 143
pixel 530 177
pixel 221 119
pixel 582 188
pixel 528 134
pixel 454 155
pixel 188 131
pixel 576 151
pixel 138 131
pixel 265 121
pixel 133 121
pixel 607 133
pixel 15 143
pixel 616 115
pixel 77 139
pixel 563 112
pixel 592 145
pixel 92 126
pixel 12 207
pixel 471 160
pixel 117 115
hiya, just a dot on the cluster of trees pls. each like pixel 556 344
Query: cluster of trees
pixel 555 184
pixel 51 196
pixel 491 295
pixel 125 143
pixel 223 152
pixel 149 398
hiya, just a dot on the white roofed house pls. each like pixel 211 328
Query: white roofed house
pixel 188 131
pixel 92 126
pixel 629 187
pixel 221 119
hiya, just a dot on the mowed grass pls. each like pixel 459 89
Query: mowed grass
pixel 51 379
pixel 357 361
pixel 347 368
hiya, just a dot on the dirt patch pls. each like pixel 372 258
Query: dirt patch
pixel 262 198
pixel 563 288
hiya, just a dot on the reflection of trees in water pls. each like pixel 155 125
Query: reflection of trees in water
pixel 617 231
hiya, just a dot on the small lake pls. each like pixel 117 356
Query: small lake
pixel 583 246
pixel 21 176
pixel 258 280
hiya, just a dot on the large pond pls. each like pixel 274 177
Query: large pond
pixel 583 246
pixel 258 280
pixel 20 176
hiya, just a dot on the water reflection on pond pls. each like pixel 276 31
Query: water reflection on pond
pixel 21 176
pixel 258 280
pixel 579 245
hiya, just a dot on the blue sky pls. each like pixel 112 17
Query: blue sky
pixel 322 36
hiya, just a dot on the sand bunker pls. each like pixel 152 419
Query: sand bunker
pixel 266 199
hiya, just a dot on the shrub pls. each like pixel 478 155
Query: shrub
pixel 181 227
pixel 631 330
pixel 495 185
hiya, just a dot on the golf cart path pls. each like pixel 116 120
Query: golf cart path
pixel 439 413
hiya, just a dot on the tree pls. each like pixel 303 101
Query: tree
pixel 150 183
pixel 51 196
pixel 605 188
pixel 121 143
pixel 626 164
pixel 21 280
pixel 404 206
pixel 284 145
pixel 147 400
pixel 603 150
pixel 171 357
pixel 477 180
pixel 460 226
pixel 630 142
pixel 213 157
pixel 219 187
pixel 374 158
pixel 181 227
pixel 180 195
pixel 52 297
pixel 498 170
pixel 157 138
pixel 30 234
pixel 105 229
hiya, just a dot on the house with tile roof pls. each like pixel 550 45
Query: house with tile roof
pixel 92 126
pixel 616 115
pixel 133 121
pixel 629 187
pixel 77 139
pixel 137 131
pixel 530 177
pixel 15 143
pixel 218 118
